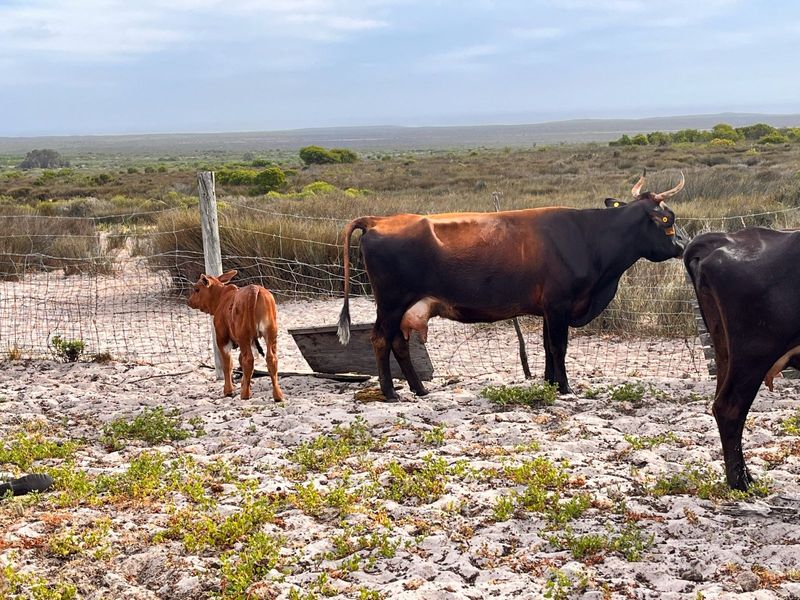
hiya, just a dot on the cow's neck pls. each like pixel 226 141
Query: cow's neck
pixel 218 295
pixel 620 251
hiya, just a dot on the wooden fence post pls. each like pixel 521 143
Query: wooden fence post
pixel 211 250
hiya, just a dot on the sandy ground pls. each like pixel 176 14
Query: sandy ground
pixel 448 547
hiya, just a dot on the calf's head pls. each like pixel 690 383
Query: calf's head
pixel 657 236
pixel 207 291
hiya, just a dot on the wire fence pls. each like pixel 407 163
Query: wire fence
pixel 121 288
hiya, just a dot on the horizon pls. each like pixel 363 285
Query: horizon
pixel 111 68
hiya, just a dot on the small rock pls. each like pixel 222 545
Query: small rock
pixel 691 574
pixel 748 581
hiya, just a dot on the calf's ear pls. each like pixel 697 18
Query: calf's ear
pixel 614 203
pixel 227 276
pixel 205 280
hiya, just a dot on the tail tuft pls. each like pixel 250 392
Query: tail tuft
pixel 344 324
pixel 259 347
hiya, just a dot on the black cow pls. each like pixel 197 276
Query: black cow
pixel 748 287
pixel 561 263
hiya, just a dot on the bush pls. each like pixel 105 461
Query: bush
pixel 721 143
pixel 776 137
pixel 639 139
pixel 270 179
pixel 43 159
pixel 754 132
pixel 316 155
pixel 68 350
pixel 725 132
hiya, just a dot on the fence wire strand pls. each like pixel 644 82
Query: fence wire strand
pixel 124 293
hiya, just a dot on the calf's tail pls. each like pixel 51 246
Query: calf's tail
pixel 362 223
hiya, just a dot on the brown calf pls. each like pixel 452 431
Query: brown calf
pixel 241 316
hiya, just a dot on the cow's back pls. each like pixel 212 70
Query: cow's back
pixel 751 279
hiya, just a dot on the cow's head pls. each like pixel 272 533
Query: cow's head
pixel 205 293
pixel 662 239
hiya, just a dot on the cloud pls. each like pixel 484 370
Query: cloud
pixel 107 30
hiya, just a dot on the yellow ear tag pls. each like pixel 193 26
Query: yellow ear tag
pixel 616 204
pixel 665 219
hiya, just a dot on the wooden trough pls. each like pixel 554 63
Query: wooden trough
pixel 324 354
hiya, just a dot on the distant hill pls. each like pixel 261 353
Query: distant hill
pixel 377 138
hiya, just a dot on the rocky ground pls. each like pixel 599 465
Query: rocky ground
pixel 613 493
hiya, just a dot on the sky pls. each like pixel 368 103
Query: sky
pixel 167 66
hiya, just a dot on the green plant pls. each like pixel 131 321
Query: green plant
pixel 425 482
pixel 504 508
pixel 17 584
pixel 72 540
pixel 67 350
pixel 645 441
pixel 240 569
pixel 326 451
pixel 791 425
pixel 561 585
pixel 29 445
pixel 701 480
pixel 532 395
pixel 434 437
pixel 628 392
pixel 152 425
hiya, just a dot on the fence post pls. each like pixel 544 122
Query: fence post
pixel 211 250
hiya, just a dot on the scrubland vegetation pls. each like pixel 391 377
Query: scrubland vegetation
pixel 285 207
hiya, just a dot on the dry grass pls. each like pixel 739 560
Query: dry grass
pixel 291 244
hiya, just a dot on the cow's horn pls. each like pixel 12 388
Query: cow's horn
pixel 669 193
pixel 636 189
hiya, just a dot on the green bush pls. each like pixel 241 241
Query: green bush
pixel 43 159
pixel 269 179
pixel 68 350
pixel 532 395
pixel 776 137
pixel 317 155
pixel 754 132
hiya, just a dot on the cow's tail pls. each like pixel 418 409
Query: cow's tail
pixel 259 326
pixel 362 223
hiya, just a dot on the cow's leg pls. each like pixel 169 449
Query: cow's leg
pixel 247 362
pixel 731 405
pixel 401 352
pixel 548 353
pixel 271 340
pixel 387 326
pixel 555 347
pixel 223 344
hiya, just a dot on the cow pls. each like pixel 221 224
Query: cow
pixel 748 287
pixel 563 264
pixel 241 316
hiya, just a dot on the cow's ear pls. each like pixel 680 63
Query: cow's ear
pixel 205 280
pixel 614 203
pixel 227 276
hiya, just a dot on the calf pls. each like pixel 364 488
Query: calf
pixel 241 316
pixel 748 288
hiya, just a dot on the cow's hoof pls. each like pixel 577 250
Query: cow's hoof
pixel 565 389
pixel 421 392
pixel 35 482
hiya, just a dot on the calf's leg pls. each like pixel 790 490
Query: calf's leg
pixel 247 362
pixel 223 344
pixel 271 339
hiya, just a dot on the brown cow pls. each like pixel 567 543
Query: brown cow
pixel 241 316
pixel 561 263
